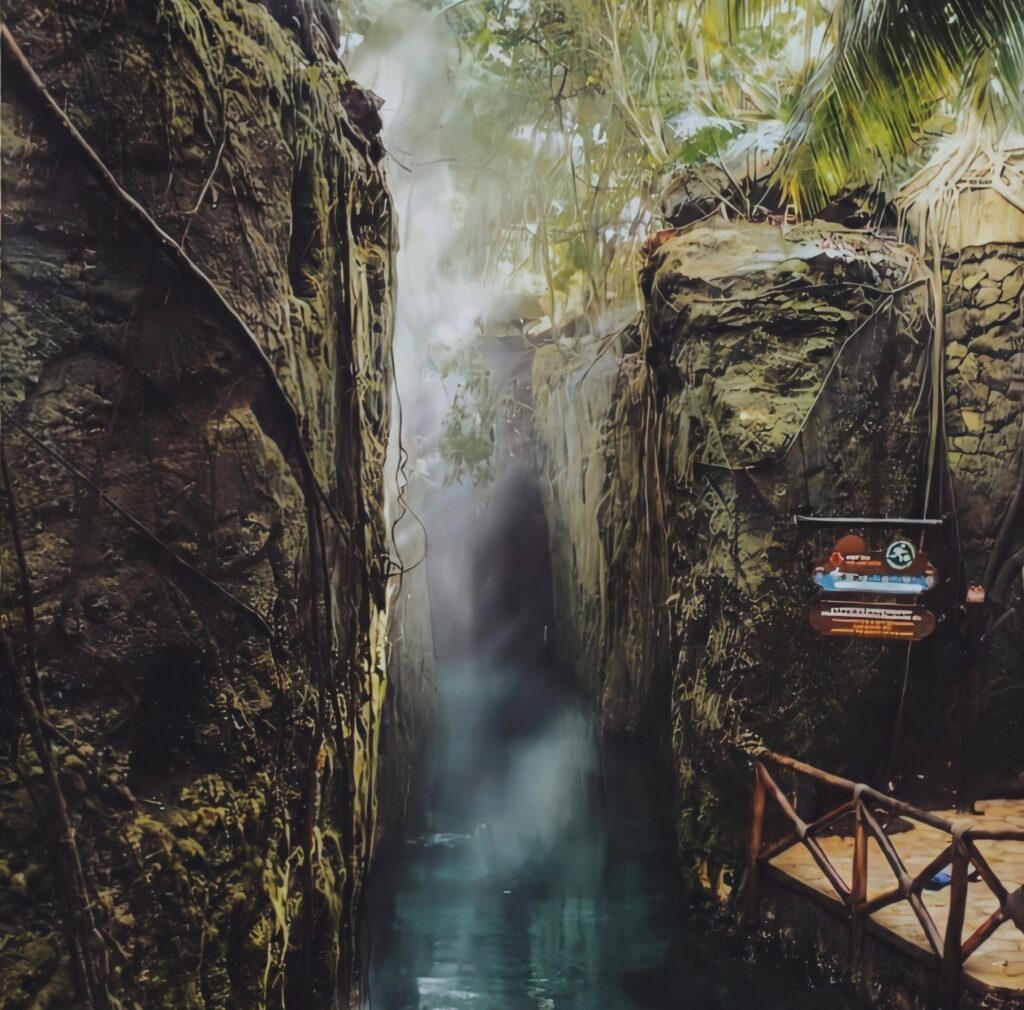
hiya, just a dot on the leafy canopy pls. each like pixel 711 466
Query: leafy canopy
pixel 566 117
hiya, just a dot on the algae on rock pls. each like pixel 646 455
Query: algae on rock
pixel 772 371
pixel 195 559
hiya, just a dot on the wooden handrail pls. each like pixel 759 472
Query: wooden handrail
pixel 889 803
pixel 777 848
pixel 839 885
pixel 997 835
pixel 995 885
pixel 982 933
pixel 859 885
pixel 950 947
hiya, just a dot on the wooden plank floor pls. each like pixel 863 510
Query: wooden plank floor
pixel 999 962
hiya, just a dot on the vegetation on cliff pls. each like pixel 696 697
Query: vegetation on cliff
pixel 565 118
pixel 779 366
pixel 196 325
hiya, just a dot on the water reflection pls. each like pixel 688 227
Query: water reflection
pixel 546 879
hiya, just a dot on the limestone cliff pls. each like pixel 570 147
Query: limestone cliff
pixel 195 331
pixel 775 370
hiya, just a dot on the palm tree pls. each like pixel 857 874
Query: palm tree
pixel 894 70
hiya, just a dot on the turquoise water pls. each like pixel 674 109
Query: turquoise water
pixel 545 877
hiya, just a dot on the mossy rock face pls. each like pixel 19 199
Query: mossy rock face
pixel 788 364
pixel 199 507
pixel 776 371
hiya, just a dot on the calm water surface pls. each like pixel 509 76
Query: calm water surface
pixel 546 878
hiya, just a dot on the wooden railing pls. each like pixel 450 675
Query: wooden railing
pixel 950 947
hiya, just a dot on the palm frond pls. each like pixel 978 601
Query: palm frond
pixel 723 20
pixel 894 65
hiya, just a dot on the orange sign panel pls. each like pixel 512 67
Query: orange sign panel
pixel 869 620
pixel 900 569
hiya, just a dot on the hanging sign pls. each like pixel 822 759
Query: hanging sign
pixel 856 619
pixel 898 569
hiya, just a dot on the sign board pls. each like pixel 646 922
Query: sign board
pixel 897 569
pixel 872 620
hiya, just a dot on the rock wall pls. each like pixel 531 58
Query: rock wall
pixel 790 366
pixel 984 337
pixel 598 479
pixel 778 370
pixel 775 371
pixel 405 766
pixel 195 331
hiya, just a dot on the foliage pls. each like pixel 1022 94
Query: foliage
pixel 468 443
pixel 895 69
pixel 474 415
pixel 568 115
pixel 606 99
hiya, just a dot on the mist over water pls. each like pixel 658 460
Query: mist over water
pixel 541 871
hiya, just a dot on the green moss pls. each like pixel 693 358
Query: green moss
pixel 684 583
pixel 222 786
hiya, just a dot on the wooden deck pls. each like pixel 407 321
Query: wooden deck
pixel 999 962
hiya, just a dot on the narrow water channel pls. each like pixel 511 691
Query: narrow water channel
pixel 543 872
pixel 576 906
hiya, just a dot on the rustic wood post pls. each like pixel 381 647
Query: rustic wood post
pixel 754 851
pixel 972 636
pixel 952 950
pixel 859 884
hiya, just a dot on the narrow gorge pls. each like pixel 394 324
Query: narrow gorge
pixel 433 438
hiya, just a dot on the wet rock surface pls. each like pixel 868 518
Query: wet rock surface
pixel 193 546
pixel 777 370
